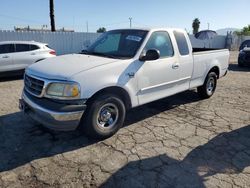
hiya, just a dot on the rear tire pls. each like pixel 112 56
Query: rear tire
pixel 104 116
pixel 208 88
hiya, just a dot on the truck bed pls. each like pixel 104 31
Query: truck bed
pixel 204 58
pixel 206 49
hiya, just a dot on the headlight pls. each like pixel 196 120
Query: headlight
pixel 63 90
pixel 242 52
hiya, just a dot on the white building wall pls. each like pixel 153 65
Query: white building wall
pixel 62 42
pixel 74 42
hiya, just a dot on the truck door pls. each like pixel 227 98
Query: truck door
pixel 157 79
pixel 185 63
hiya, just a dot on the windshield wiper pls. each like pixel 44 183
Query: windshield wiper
pixel 84 52
pixel 100 54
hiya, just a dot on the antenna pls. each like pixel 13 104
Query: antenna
pixel 130 22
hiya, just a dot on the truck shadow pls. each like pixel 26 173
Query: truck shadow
pixel 156 107
pixel 235 67
pixel 22 140
pixel 10 77
pixel 227 153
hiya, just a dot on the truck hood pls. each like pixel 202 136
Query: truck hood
pixel 64 67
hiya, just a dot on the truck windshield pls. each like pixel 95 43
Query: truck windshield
pixel 117 44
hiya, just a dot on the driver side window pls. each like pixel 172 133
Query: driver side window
pixel 161 41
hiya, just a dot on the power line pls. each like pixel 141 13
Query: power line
pixel 142 24
pixel 107 24
pixel 20 19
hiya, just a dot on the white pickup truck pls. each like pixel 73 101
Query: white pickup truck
pixel 121 70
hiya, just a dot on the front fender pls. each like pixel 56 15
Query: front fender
pixel 113 75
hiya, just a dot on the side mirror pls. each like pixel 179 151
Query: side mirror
pixel 150 55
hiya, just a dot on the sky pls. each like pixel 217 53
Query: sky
pixel 113 14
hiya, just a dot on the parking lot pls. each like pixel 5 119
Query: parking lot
pixel 180 141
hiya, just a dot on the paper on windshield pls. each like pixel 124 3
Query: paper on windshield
pixel 133 38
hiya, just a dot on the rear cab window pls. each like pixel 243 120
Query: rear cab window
pixel 181 43
pixel 7 48
pixel 161 41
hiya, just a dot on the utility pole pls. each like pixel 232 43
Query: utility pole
pixel 208 26
pixel 52 15
pixel 87 25
pixel 130 22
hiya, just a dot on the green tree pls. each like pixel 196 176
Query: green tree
pixel 245 31
pixel 52 15
pixel 101 30
pixel 196 25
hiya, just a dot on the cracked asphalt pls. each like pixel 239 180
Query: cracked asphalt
pixel 180 141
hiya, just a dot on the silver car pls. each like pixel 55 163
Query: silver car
pixel 17 55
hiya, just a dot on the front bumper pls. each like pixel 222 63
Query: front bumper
pixel 244 60
pixel 62 117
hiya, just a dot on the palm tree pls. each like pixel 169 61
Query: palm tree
pixel 196 25
pixel 52 15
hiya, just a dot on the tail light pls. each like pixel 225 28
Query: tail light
pixel 52 52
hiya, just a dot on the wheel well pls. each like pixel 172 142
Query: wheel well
pixel 216 70
pixel 120 92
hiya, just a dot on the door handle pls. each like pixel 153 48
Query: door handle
pixel 131 74
pixel 5 56
pixel 175 65
pixel 33 54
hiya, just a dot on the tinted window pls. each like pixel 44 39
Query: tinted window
pixel 181 42
pixel 22 47
pixel 6 48
pixel 161 41
pixel 33 47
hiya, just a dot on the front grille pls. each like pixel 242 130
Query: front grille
pixel 33 85
pixel 247 56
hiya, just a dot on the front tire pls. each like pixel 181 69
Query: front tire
pixel 104 116
pixel 208 88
